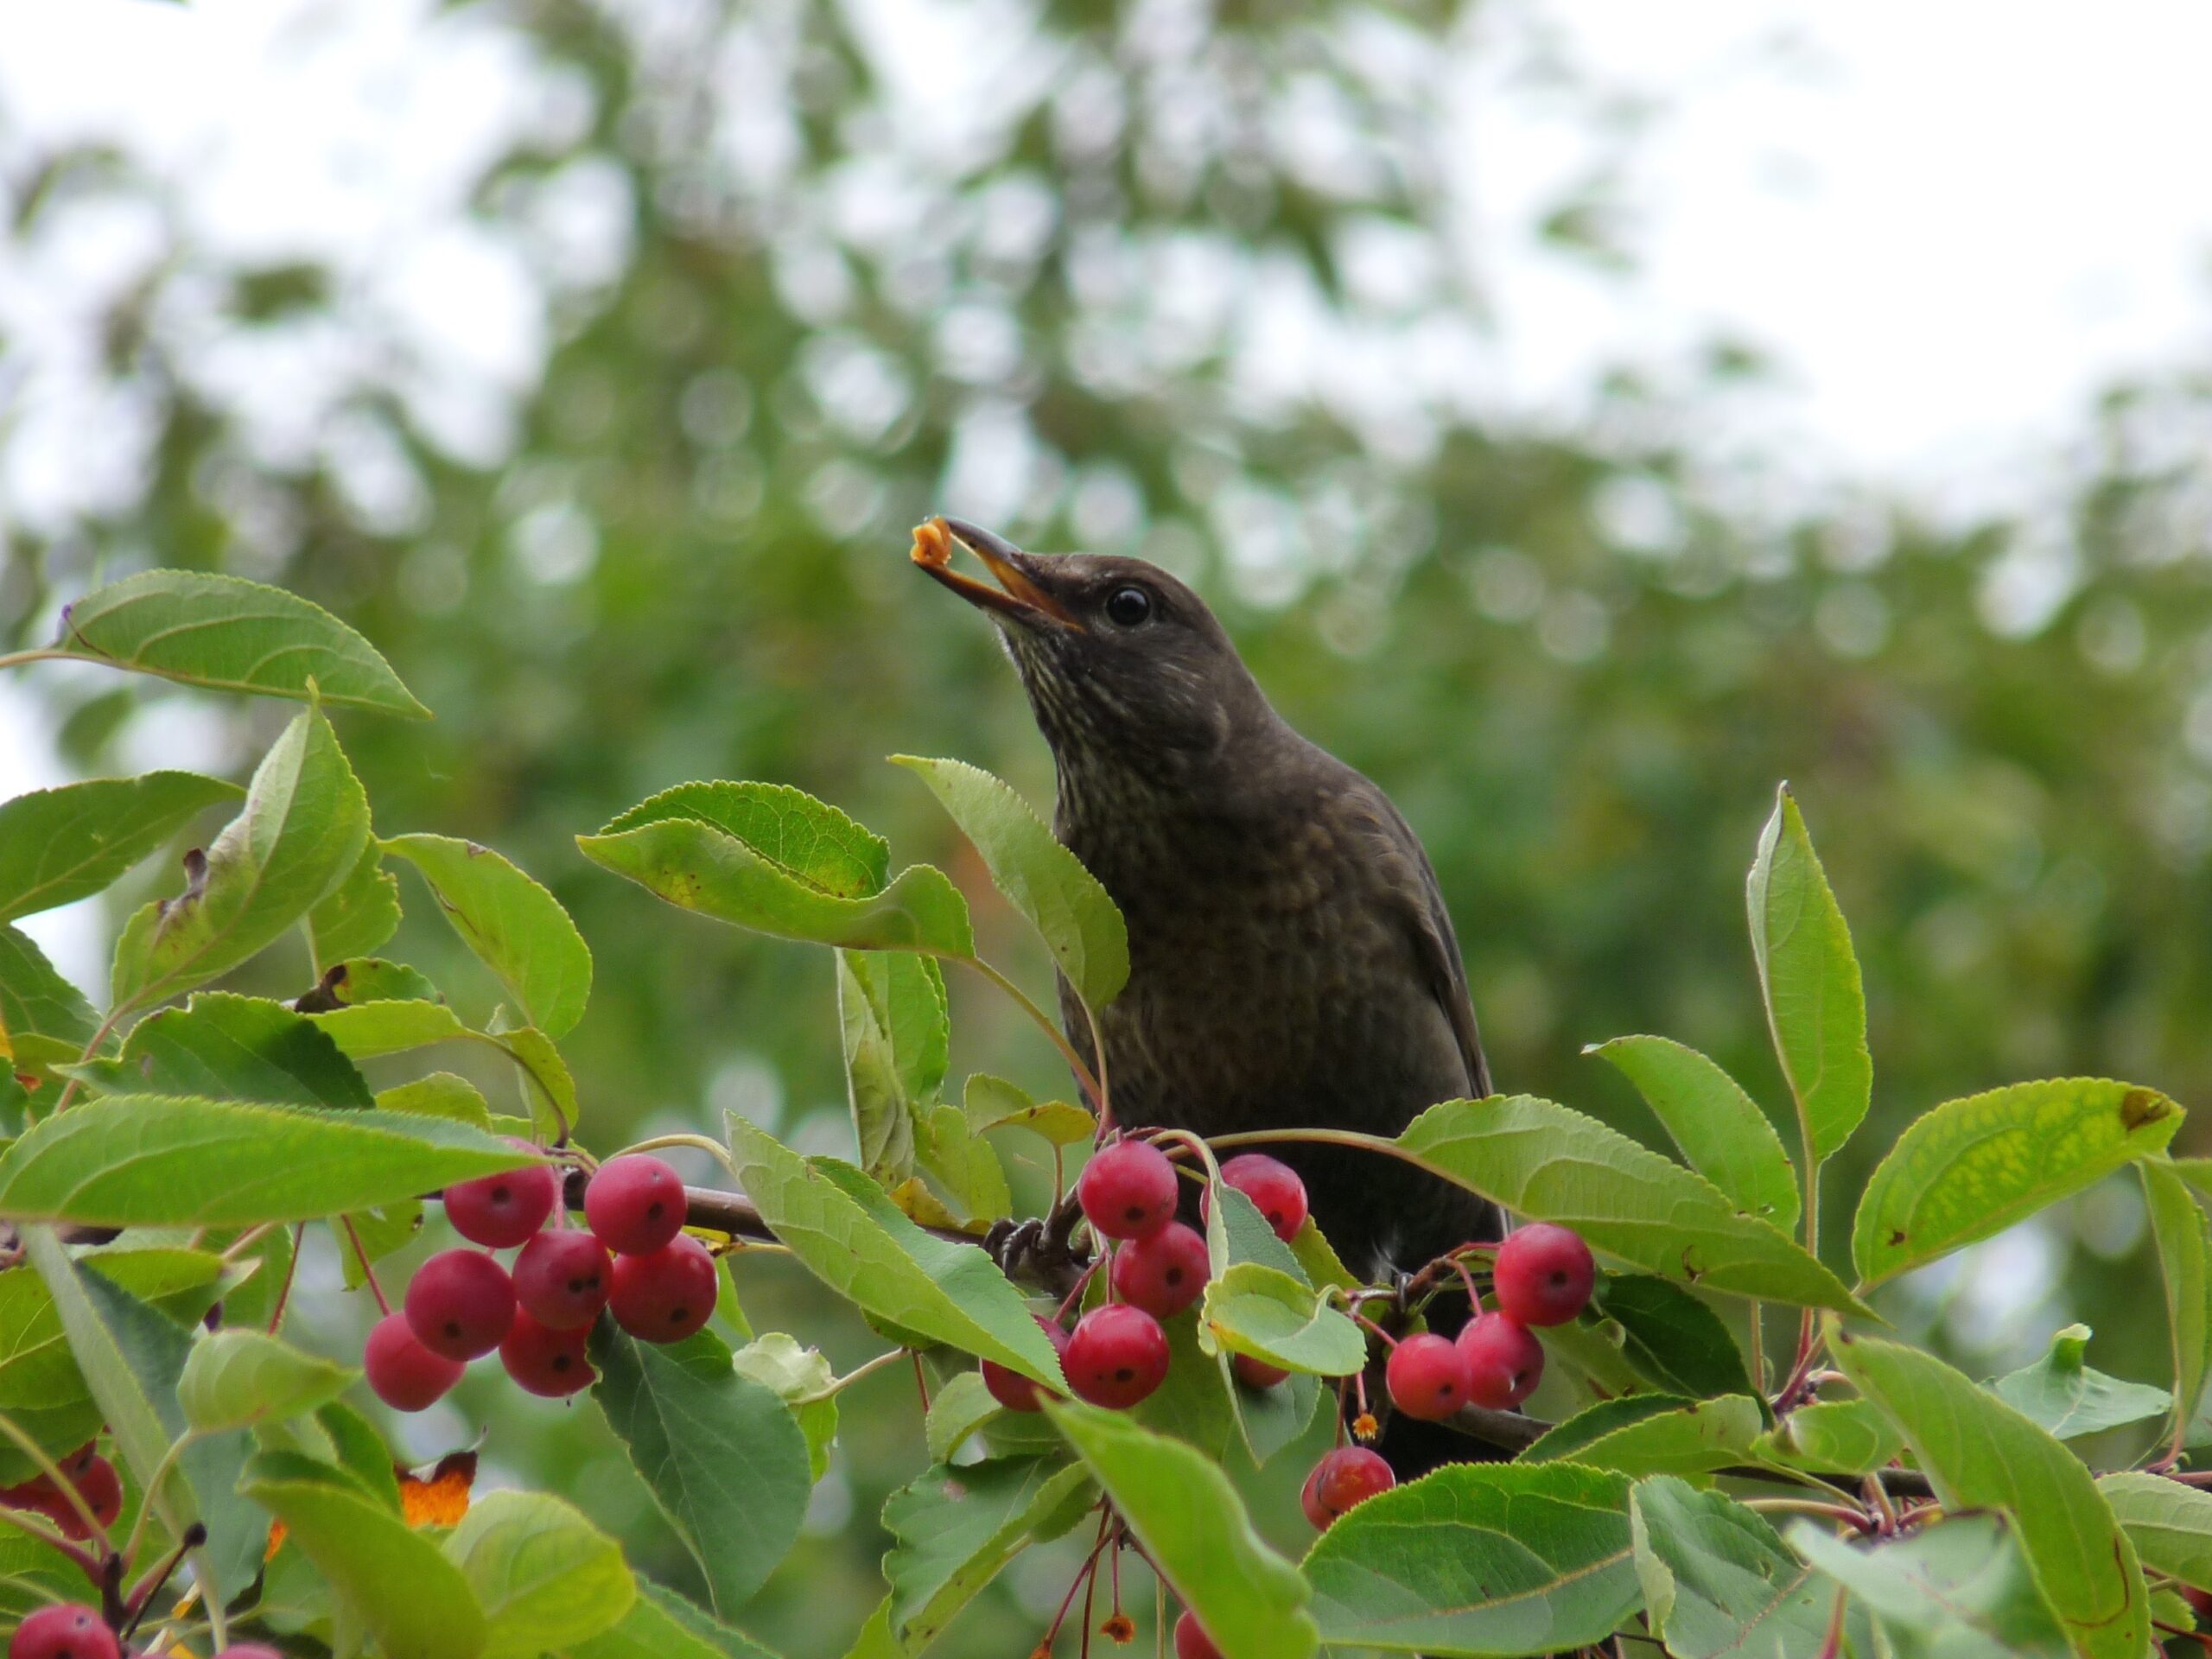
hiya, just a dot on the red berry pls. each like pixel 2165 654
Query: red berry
pixel 68 1631
pixel 562 1277
pixel 1191 1642
pixel 1543 1274
pixel 667 1295
pixel 1164 1272
pixel 1256 1373
pixel 543 1360
pixel 1504 1362
pixel 79 1460
pixel 1014 1390
pixel 102 1489
pixel 1117 1355
pixel 635 1204
pixel 460 1304
pixel 1345 1476
pixel 1427 1377
pixel 503 1210
pixel 1274 1187
pixel 404 1375
pixel 1128 1189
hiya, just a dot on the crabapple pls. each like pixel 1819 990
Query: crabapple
pixel 1116 1355
pixel 1543 1274
pixel 1504 1362
pixel 404 1375
pixel 635 1204
pixel 1162 1273
pixel 1427 1377
pixel 666 1295
pixel 562 1277
pixel 1014 1390
pixel 1347 1476
pixel 1127 1190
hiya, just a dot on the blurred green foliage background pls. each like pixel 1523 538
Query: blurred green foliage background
pixel 1580 659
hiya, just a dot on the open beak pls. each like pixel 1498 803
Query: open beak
pixel 1018 596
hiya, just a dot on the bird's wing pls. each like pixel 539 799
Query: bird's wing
pixel 1410 880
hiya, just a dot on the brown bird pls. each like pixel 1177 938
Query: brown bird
pixel 1292 964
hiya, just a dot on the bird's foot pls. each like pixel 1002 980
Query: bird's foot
pixel 1039 1248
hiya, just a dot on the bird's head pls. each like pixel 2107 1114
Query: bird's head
pixel 1124 665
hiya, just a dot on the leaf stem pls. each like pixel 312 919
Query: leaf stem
pixel 703 1143
pixel 160 1474
pixel 43 654
pixel 284 1290
pixel 1044 1023
pixel 106 1028
pixel 837 1385
pixel 368 1272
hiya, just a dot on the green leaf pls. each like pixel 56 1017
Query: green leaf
pixel 1479 1559
pixel 361 1451
pixel 355 918
pixel 1266 1313
pixel 242 1048
pixel 515 927
pixel 957 1411
pixel 780 862
pixel 132 1357
pixel 2184 1244
pixel 2062 1394
pixel 801 1378
pixel 994 1103
pixel 235 1378
pixel 1958 1590
pixel 956 1529
pixel 1653 1433
pixel 1717 1579
pixel 439 1094
pixel 234 635
pixel 719 1453
pixel 815 843
pixel 302 827
pixel 1043 879
pixel 1816 1006
pixel 1973 1167
pixel 40 1388
pixel 1195 1403
pixel 543 1575
pixel 2169 1523
pixel 155 1161
pixel 661 1625
pixel 1670 1337
pixel 842 1227
pixel 548 1088
pixel 1981 1453
pixel 60 845
pixel 870 996
pixel 1836 1436
pixel 1183 1510
pixel 34 998
pixel 367 1553
pixel 1720 1130
pixel 1549 1164
pixel 372 1030
pixel 964 1161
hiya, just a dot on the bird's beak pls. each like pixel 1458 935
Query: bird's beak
pixel 1018 596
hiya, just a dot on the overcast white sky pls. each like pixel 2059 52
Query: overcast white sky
pixel 1949 224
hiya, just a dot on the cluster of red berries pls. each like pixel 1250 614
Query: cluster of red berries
pixel 1117 1353
pixel 96 1482
pixel 73 1631
pixel 461 1303
pixel 1542 1276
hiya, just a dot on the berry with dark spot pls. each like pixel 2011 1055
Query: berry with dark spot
pixel 460 1304
pixel 1543 1274
pixel 635 1204
pixel 1116 1355
pixel 1504 1362
pixel 1272 1186
pixel 1127 1190
pixel 404 1375
pixel 666 1295
pixel 502 1211
pixel 1164 1272
pixel 69 1631
pixel 562 1278
pixel 1345 1478
pixel 545 1360
pixel 1427 1377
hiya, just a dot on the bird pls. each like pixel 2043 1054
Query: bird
pixel 1291 962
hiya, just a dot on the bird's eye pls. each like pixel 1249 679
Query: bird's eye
pixel 1126 608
